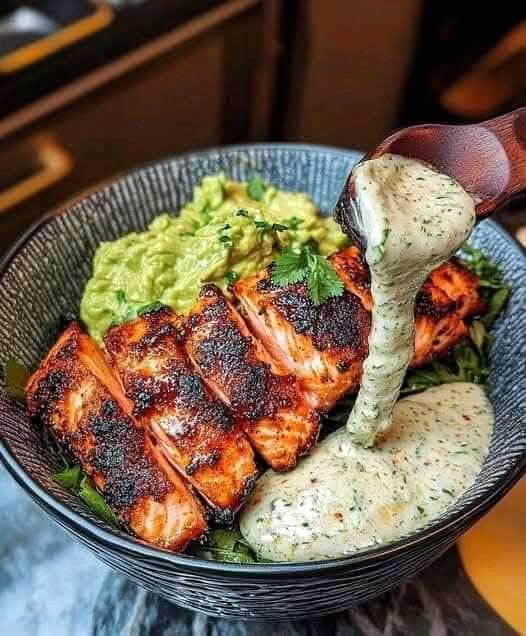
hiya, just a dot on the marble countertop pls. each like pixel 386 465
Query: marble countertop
pixel 51 585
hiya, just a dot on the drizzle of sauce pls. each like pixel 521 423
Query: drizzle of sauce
pixel 344 498
pixel 413 218
pixel 397 465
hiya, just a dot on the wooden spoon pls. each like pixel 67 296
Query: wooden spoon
pixel 487 159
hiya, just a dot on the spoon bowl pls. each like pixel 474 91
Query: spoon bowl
pixel 487 159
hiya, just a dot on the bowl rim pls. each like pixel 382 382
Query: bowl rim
pixel 101 534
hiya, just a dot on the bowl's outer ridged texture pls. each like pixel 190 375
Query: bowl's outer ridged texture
pixel 44 279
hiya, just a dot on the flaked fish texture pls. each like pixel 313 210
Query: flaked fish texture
pixel 196 431
pixel 273 411
pixel 76 394
pixel 325 345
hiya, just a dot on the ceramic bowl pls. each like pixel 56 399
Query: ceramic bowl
pixel 42 278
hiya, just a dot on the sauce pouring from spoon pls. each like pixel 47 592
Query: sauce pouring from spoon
pixel 487 159
pixel 410 205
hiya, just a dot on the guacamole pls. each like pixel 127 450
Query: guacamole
pixel 228 230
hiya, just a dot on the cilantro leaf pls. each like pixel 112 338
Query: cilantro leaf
pixel 290 267
pixel 256 188
pixel 120 295
pixel 322 280
pixel 306 265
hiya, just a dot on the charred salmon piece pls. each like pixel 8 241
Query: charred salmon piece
pixel 438 324
pixel 354 273
pixel 194 429
pixel 452 277
pixel 450 294
pixel 323 345
pixel 274 414
pixel 461 285
pixel 72 393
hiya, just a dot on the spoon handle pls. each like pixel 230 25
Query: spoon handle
pixel 510 130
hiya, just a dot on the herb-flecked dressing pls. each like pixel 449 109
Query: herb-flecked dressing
pixel 400 464
pixel 344 497
pixel 413 218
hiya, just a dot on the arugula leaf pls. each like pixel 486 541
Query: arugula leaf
pixel 495 305
pixel 225 545
pixel 93 499
pixel 307 265
pixel 16 376
pixel 70 477
pixel 256 188
pixel 73 478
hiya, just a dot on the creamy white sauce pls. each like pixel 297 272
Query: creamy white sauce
pixel 344 498
pixel 413 219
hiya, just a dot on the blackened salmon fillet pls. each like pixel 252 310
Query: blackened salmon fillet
pixel 273 412
pixel 76 394
pixel 325 345
pixel 195 430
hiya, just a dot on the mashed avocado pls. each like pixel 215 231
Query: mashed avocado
pixel 228 230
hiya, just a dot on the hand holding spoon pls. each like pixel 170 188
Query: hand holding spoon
pixel 487 159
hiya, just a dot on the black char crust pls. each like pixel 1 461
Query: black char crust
pixel 253 390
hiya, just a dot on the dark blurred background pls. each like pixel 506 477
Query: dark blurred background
pixel 89 89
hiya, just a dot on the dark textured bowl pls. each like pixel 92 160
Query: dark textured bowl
pixel 42 278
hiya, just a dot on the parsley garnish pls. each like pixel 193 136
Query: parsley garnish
pixel 256 188
pixel 307 265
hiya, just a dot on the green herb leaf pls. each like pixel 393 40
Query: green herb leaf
pixel 121 296
pixel 290 267
pixel 146 309
pixel 232 277
pixel 16 377
pixel 242 213
pixel 93 499
pixel 70 477
pixel 256 188
pixel 294 222
pixel 322 280
pixel 495 305
pixel 294 266
pixel 225 545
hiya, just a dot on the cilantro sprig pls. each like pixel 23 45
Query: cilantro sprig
pixel 294 266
